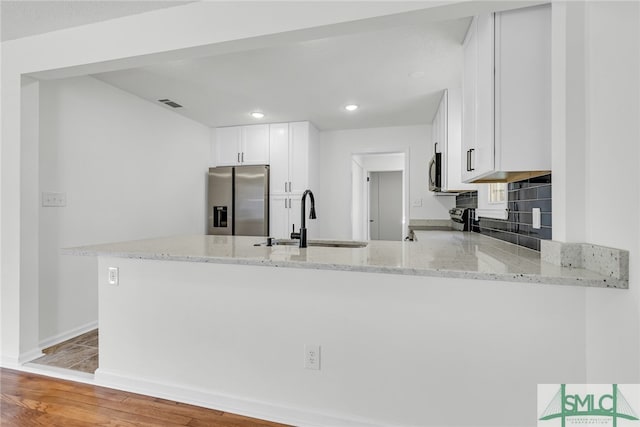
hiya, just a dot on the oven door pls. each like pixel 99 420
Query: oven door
pixel 435 173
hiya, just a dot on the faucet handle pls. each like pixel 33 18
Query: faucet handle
pixel 294 235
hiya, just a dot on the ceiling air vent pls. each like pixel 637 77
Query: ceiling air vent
pixel 170 103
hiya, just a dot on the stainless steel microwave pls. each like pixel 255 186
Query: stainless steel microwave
pixel 435 171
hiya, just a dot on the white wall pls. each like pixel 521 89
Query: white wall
pixel 29 203
pixel 198 29
pixel 359 200
pixel 396 350
pixel 130 170
pixel 612 185
pixel 336 148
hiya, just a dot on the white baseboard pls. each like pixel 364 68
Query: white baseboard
pixel 72 333
pixel 60 373
pixel 237 405
pixel 17 362
pixel 9 362
pixel 30 355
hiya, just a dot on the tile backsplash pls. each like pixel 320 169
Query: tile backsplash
pixel 523 196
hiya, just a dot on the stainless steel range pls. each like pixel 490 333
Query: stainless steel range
pixel 461 218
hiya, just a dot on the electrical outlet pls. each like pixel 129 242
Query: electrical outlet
pixel 114 278
pixel 312 356
pixel 535 214
pixel 417 203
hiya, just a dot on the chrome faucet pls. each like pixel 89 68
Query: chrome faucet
pixel 302 235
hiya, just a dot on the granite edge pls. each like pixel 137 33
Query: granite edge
pixel 609 262
pixel 445 273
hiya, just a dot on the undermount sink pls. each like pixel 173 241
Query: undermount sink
pixel 318 243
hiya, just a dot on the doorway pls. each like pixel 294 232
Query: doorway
pixel 379 195
pixel 385 205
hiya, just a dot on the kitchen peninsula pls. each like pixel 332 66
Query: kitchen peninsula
pixel 438 254
pixel 222 323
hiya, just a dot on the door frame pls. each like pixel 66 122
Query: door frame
pixel 398 161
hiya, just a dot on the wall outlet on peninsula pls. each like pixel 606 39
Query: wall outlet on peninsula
pixel 312 356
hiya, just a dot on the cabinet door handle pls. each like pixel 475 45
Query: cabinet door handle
pixel 238 157
pixel 243 157
pixel 285 186
pixel 467 160
pixel 435 148
pixel 289 186
pixel 471 168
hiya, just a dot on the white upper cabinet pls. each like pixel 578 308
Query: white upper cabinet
pixel 293 151
pixel 242 145
pixel 302 136
pixel 294 156
pixel 279 158
pixel 506 91
pixel 228 145
pixel 447 128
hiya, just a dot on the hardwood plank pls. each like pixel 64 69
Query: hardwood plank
pixel 170 406
pixel 70 398
pixel 34 400
pixel 78 411
pixel 37 382
pixel 232 420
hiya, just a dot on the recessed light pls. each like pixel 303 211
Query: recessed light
pixel 351 107
pixel 417 74
pixel 257 115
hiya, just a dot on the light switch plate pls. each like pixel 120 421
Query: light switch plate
pixel 535 213
pixel 113 278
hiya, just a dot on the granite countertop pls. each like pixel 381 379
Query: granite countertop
pixel 436 253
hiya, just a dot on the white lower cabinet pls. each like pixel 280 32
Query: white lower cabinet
pixel 284 214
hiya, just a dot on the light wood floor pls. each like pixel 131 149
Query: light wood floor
pixel 78 354
pixel 35 400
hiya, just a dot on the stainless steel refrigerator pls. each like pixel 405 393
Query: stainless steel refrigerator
pixel 238 201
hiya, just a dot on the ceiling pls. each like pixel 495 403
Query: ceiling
pixel 313 80
pixel 22 18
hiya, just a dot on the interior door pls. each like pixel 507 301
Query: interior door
pixel 385 205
